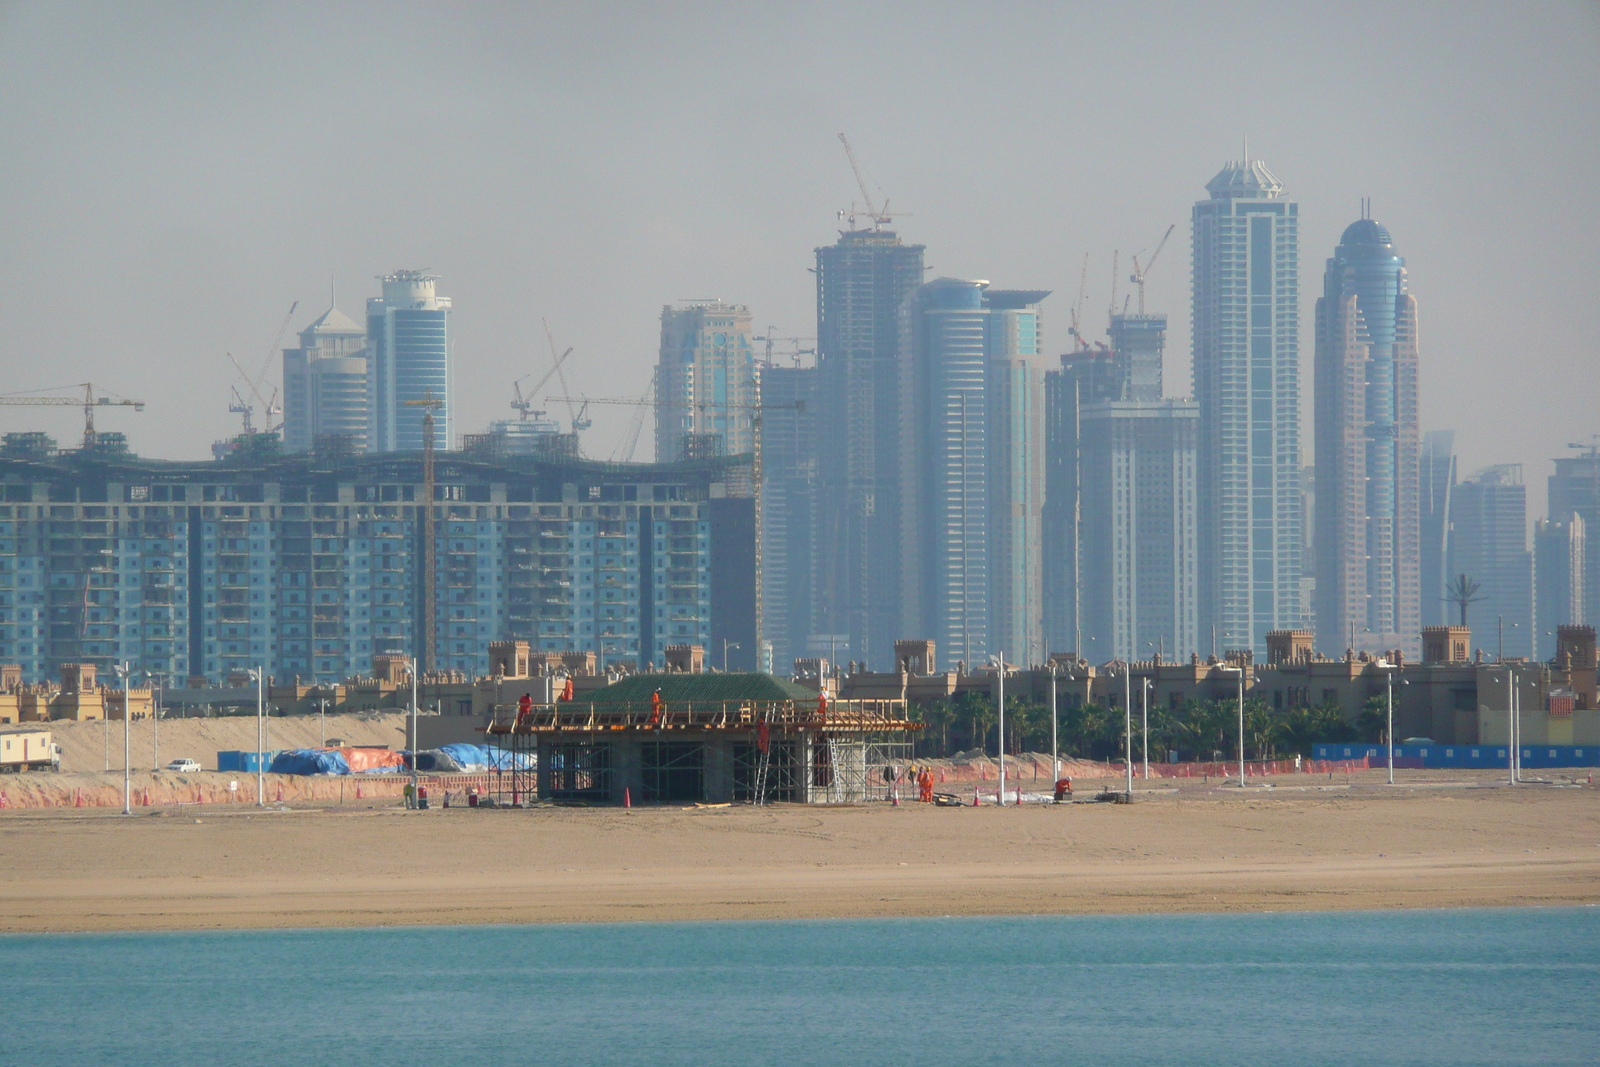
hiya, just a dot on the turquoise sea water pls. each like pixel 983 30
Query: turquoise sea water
pixel 1511 987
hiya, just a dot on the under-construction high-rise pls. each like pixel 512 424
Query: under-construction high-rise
pixel 861 281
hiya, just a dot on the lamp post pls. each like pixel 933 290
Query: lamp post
pixel 155 718
pixel 259 674
pixel 322 722
pixel 1240 672
pixel 727 644
pixel 1055 746
pixel 1127 714
pixel 414 673
pixel 999 662
pixel 1144 713
pixel 127 739
pixel 1388 678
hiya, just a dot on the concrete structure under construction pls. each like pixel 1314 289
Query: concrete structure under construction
pixel 862 279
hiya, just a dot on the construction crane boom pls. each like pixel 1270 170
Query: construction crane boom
pixel 878 215
pixel 524 404
pixel 1139 273
pixel 430 552
pixel 1077 309
pixel 88 404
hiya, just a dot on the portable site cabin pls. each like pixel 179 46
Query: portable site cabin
pixel 28 750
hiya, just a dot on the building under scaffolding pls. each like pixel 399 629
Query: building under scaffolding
pixel 678 738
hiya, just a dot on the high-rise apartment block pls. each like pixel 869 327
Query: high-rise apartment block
pixel 325 385
pixel 308 567
pixel 1574 489
pixel 1489 544
pixel 1367 449
pixel 972 482
pixel 706 385
pixel 408 338
pixel 788 508
pixel 1437 481
pixel 862 279
pixel 1087 376
pixel 1558 571
pixel 1138 534
pixel 1247 381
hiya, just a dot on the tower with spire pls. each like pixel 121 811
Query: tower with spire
pixel 325 384
pixel 1246 346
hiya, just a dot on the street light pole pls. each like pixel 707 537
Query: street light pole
pixel 1127 713
pixel 1241 727
pixel 1055 746
pixel 322 722
pixel 127 739
pixel 261 736
pixel 1000 669
pixel 727 644
pixel 1388 677
pixel 155 719
pixel 1144 713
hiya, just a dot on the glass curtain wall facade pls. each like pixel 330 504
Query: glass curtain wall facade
pixel 1575 490
pixel 862 280
pixel 1559 548
pixel 325 385
pixel 1368 444
pixel 408 335
pixel 1139 540
pixel 1247 381
pixel 706 384
pixel 1437 480
pixel 1489 544
pixel 788 509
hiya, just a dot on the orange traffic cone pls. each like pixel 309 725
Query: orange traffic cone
pixel 627 797
pixel 77 798
pixel 974 796
pixel 280 792
pixel 358 790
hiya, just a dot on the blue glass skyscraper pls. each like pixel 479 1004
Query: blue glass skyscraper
pixel 1368 521
pixel 408 337
pixel 1247 382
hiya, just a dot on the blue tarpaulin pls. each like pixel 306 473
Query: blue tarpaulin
pixel 480 758
pixel 310 761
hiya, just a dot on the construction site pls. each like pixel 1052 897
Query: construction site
pixel 710 738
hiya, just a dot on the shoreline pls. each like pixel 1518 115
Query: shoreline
pixel 1175 851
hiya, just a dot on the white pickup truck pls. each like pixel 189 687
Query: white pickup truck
pixel 26 749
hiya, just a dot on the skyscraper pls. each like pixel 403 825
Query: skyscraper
pixel 1138 529
pixel 1575 490
pixel 1489 544
pixel 706 387
pixel 1087 376
pixel 408 335
pixel 1437 480
pixel 1367 512
pixel 1558 575
pixel 861 281
pixel 1247 381
pixel 325 384
pixel 788 502
pixel 972 482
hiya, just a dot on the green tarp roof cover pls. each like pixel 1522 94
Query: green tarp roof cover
pixel 708 688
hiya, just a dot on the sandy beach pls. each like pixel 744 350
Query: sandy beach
pixel 1431 843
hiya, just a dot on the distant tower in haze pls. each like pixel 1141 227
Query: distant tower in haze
pixel 1489 544
pixel 706 383
pixel 1558 574
pixel 408 335
pixel 1246 337
pixel 1368 517
pixel 1437 479
pixel 862 279
pixel 325 384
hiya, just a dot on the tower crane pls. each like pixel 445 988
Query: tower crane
pixel 430 552
pixel 577 418
pixel 1077 309
pixel 879 216
pixel 88 403
pixel 524 404
pixel 1139 273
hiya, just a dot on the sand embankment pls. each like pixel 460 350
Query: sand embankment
pixel 1427 844
pixel 90 747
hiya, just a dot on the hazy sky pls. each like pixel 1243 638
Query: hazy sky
pixel 175 175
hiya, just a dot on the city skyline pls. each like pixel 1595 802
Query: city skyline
pixel 192 169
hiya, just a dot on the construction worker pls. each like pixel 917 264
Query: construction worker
pixel 524 708
pixel 1063 789
pixel 655 708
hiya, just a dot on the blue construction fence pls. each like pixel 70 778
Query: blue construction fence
pixel 1434 755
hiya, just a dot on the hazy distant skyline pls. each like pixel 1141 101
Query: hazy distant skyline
pixel 176 175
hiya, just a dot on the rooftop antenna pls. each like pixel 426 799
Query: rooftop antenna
pixel 1247 149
